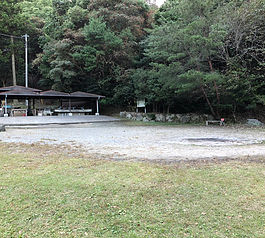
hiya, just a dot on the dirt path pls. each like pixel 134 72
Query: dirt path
pixel 121 141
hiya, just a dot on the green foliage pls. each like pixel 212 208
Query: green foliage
pixel 178 47
pixel 11 23
pixel 199 55
pixel 244 54
pixel 36 8
pixel 98 35
pixel 205 50
pixel 91 44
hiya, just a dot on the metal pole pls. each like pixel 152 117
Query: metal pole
pixel 26 66
pixel 6 104
pixel 26 59
pixel 70 106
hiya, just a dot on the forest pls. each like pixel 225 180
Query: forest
pixel 186 56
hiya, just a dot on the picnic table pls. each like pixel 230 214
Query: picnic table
pixel 70 112
pixel 220 122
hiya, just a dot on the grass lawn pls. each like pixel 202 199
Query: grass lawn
pixel 46 193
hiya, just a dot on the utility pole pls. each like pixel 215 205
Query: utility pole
pixel 26 67
pixel 26 60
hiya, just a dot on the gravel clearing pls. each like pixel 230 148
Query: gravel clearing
pixel 120 141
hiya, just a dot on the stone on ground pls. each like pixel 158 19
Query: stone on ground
pixel 2 128
pixel 254 122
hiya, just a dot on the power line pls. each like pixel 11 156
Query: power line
pixel 6 35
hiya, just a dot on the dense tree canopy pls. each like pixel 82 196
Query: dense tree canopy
pixel 91 43
pixel 205 51
pixel 11 23
pixel 188 55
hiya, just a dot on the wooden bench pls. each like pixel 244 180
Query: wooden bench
pixel 221 123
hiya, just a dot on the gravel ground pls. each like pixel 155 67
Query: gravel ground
pixel 45 120
pixel 120 141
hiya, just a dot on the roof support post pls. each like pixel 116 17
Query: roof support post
pixel 33 107
pixel 97 104
pixel 27 104
pixel 70 111
pixel 69 104
pixel 6 104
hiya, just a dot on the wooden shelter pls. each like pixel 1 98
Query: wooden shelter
pixel 20 92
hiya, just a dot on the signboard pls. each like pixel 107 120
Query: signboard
pixel 141 103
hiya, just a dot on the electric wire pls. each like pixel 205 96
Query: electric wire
pixel 6 35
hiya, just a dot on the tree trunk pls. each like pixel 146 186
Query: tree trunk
pixel 234 112
pixel 216 88
pixel 13 63
pixel 168 109
pixel 164 108
pixel 208 102
pixel 205 95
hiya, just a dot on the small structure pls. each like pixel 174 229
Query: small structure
pixel 83 95
pixel 141 104
pixel 31 95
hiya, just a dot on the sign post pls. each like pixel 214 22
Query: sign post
pixel 141 104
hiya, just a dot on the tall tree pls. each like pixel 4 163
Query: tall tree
pixel 243 53
pixel 182 48
pixel 91 44
pixel 15 21
pixel 11 23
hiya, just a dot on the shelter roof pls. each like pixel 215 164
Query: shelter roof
pixel 53 93
pixel 23 92
pixel 19 88
pixel 20 93
pixel 85 95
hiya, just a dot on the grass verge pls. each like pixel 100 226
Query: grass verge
pixel 48 192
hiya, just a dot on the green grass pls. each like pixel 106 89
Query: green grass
pixel 45 193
